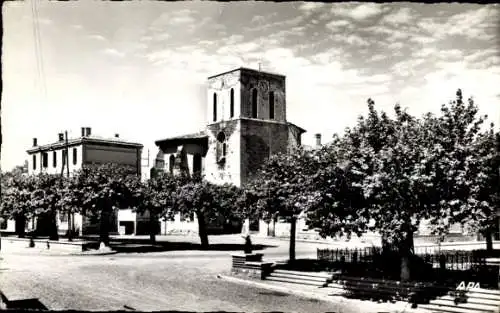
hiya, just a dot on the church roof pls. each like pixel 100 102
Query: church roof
pixel 247 70
pixel 184 138
pixel 302 130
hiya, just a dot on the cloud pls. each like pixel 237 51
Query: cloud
pixel 77 26
pixel 311 6
pixel 233 39
pixel 378 57
pixel 281 23
pixel 183 19
pixel 113 52
pixel 423 40
pixel 241 48
pixel 336 25
pixel 351 39
pixel 258 19
pixel 359 12
pixel 406 68
pixel 400 16
pixel 450 54
pixel 482 54
pixel 475 24
pixel 327 56
pixel 424 53
pixel 395 45
pixel 97 37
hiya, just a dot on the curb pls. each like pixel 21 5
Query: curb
pixel 94 253
pixel 338 300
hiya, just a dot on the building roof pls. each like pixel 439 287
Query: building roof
pixel 201 135
pixel 87 139
pixel 302 130
pixel 248 70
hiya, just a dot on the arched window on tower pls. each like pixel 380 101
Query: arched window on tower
pixel 221 148
pixel 231 103
pixel 215 107
pixel 254 103
pixel 271 105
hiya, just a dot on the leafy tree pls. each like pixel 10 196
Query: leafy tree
pixel 46 198
pixel 371 180
pixel 480 213
pixel 209 202
pixel 282 187
pixel 155 196
pixel 16 195
pixel 461 164
pixel 389 174
pixel 105 187
pixel 72 199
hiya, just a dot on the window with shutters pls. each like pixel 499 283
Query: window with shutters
pixel 75 156
pixel 231 103
pixel 254 103
pixel 45 159
pixel 215 107
pixel 271 105
pixel 63 156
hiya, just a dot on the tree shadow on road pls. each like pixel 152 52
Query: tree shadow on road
pixel 135 245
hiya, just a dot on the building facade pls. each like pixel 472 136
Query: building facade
pixel 67 155
pixel 246 123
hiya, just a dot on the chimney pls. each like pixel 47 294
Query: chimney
pixel 61 137
pixel 87 131
pixel 35 142
pixel 318 140
pixel 83 131
pixel 117 135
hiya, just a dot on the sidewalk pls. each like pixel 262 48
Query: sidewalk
pixel 344 305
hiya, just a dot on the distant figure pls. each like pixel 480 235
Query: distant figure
pixel 248 245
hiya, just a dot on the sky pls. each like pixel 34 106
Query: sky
pixel 139 68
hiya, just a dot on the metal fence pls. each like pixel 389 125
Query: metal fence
pixel 453 260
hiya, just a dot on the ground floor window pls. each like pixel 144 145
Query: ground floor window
pixel 254 225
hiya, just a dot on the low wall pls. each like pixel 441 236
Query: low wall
pixel 250 265
pixel 44 244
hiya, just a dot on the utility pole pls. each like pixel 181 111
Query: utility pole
pixel 70 213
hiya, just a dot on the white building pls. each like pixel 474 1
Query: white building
pixel 86 149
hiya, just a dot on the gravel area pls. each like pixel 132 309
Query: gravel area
pixel 171 280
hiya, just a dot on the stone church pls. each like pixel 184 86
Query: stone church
pixel 245 124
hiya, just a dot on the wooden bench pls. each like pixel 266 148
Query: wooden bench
pixel 381 289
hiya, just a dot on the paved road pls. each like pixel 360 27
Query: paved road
pixel 173 280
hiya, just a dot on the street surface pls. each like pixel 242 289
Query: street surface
pixel 171 280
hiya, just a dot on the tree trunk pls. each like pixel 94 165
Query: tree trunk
pixel 103 227
pixel 385 244
pixel 406 251
pixel 489 240
pixel 152 227
pixel 202 230
pixel 21 226
pixel 293 226
pixel 53 226
pixel 70 227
